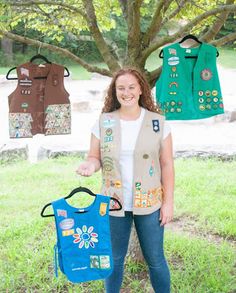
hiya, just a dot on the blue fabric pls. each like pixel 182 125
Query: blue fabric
pixel 150 235
pixel 83 240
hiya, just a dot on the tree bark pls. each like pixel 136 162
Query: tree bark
pixel 6 45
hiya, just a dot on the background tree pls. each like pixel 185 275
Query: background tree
pixel 125 32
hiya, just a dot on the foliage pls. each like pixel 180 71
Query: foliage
pixel 198 263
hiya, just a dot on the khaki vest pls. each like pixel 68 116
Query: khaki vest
pixel 147 190
pixel 39 105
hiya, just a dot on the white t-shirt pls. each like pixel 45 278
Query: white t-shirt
pixel 129 133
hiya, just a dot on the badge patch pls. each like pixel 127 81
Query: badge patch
pixel 173 61
pixel 68 232
pixel 85 237
pixel 155 125
pixel 67 224
pixel 206 74
pixel 62 213
pixel 103 208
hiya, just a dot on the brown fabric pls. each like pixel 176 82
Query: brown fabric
pixel 39 105
pixel 147 190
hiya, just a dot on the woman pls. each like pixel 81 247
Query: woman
pixel 133 146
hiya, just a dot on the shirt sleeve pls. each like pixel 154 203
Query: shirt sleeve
pixel 166 130
pixel 96 129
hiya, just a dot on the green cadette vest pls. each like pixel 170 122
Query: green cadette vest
pixel 147 190
pixel 189 88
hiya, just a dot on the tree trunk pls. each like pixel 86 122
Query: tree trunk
pixel 134 250
pixel 6 45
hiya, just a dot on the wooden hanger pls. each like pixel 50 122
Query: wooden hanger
pixel 76 190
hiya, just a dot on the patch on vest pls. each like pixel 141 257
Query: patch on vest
pixel 100 261
pixel 86 237
pixel 20 125
pixel 155 125
pixel 146 199
pixel 58 119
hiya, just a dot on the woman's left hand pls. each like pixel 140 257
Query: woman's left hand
pixel 166 213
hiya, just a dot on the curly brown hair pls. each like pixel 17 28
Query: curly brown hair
pixel 146 99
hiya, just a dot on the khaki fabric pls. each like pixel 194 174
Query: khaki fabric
pixel 147 190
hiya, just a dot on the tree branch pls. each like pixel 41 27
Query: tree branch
pixel 133 41
pixel 185 29
pixel 59 50
pixel 50 3
pixel 224 40
pixel 123 5
pixel 155 23
pixel 91 19
pixel 175 12
pixel 215 28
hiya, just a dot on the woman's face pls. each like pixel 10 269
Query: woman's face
pixel 128 90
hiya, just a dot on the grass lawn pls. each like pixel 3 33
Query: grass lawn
pixel 205 194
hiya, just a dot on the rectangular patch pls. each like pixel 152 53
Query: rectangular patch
pixel 68 232
pixel 103 208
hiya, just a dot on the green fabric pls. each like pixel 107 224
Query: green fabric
pixel 189 88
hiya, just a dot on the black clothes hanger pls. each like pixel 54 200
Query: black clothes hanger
pixel 183 40
pixel 37 56
pixel 74 191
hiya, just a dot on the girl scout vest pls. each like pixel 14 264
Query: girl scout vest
pixel 147 190
pixel 189 88
pixel 39 105
pixel 83 240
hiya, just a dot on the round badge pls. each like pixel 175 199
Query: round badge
pixel 145 156
pixel 214 93
pixel 208 93
pixel 172 103
pixel 202 107
pixel 221 105
pixel 108 131
pixel 180 103
pixel 178 110
pixel 200 100
pixel 208 107
pixel 206 74
pixel 208 100
pixel 172 110
pixel 215 100
pixel 173 68
pixel 215 106
pixel 200 93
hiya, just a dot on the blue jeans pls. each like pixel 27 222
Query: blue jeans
pixel 150 235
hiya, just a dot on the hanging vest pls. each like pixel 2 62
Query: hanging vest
pixel 83 240
pixel 147 190
pixel 189 88
pixel 39 105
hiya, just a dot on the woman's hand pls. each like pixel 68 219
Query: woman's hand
pixel 86 168
pixel 166 213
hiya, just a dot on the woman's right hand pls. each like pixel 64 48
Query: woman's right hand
pixel 86 169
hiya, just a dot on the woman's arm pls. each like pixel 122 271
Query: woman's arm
pixel 167 179
pixel 92 163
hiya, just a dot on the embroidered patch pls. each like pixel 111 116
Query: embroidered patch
pixel 155 125
pixel 20 125
pixel 149 198
pixel 58 119
pixel 206 74
pixel 108 123
pixel 151 170
pixel 68 232
pixel 100 261
pixel 62 213
pixel 173 61
pixel 85 237
pixel 138 185
pixel 107 164
pixel 172 51
pixel 108 138
pixel 103 208
pixel 24 71
pixel 67 224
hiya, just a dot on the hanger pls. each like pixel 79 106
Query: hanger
pixel 79 189
pixel 37 56
pixel 183 40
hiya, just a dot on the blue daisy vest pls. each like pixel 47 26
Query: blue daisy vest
pixel 83 240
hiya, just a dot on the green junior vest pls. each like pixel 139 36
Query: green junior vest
pixel 147 190
pixel 189 88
